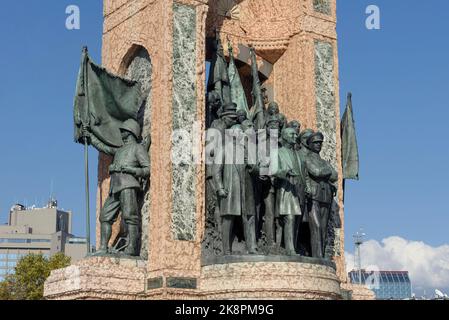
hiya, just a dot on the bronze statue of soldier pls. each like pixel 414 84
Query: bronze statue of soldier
pixel 216 138
pixel 320 193
pixel 266 193
pixel 234 181
pixel 131 163
pixel 303 152
pixel 214 106
pixel 288 173
pixel 295 124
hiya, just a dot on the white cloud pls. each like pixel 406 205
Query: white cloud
pixel 428 266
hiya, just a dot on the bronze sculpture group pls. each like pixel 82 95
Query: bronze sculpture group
pixel 279 201
pixel 284 200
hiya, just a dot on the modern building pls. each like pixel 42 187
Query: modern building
pixel 385 284
pixel 38 230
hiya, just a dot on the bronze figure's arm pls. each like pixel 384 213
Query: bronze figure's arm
pixel 144 161
pixel 334 175
pixel 317 170
pixel 99 145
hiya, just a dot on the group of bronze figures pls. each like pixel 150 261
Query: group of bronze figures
pixel 277 202
pixel 299 189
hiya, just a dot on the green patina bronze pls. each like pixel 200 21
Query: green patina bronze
pixel 349 147
pixel 320 191
pixel 105 116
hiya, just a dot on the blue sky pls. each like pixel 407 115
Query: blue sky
pixel 399 76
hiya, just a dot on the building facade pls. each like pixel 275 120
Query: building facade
pixel 44 231
pixel 385 284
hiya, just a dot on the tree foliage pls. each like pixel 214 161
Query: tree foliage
pixel 27 283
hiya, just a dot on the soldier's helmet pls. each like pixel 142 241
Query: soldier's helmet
pixel 229 110
pixel 294 124
pixel 305 135
pixel 273 118
pixel 316 137
pixel 273 108
pixel 132 126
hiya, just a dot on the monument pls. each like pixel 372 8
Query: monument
pixel 264 227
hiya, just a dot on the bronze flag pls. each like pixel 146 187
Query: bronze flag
pixel 103 101
pixel 350 150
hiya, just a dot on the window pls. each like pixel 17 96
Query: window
pixel 77 240
pixel 40 240
pixel 5 240
pixel 12 256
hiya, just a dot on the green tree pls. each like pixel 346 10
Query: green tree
pixel 27 283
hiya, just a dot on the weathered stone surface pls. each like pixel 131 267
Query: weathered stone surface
pixel 184 116
pixel 269 280
pixel 359 292
pixel 322 6
pixel 98 278
pixel 325 99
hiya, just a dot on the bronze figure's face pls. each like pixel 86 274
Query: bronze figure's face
pixel 214 101
pixel 289 135
pixel 316 146
pixel 230 121
pixel 273 109
pixel 247 125
pixel 241 116
pixel 315 142
pixel 295 125
pixel 274 125
pixel 125 135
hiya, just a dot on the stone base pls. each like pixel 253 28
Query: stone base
pixel 270 280
pixel 105 278
pixel 359 292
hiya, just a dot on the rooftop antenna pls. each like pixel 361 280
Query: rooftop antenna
pixel 51 189
pixel 358 241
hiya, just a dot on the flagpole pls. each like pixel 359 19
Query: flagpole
pixel 86 171
pixel 86 161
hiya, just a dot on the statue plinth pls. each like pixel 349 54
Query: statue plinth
pixel 104 278
pixel 97 278
pixel 359 292
pixel 270 280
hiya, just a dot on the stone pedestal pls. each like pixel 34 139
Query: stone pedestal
pixel 359 292
pixel 270 280
pixel 106 278
pixel 98 278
